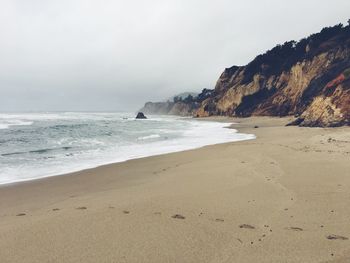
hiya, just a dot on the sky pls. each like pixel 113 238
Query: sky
pixel 101 55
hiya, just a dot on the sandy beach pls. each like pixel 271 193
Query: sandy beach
pixel 283 197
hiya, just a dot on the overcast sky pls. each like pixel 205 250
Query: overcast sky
pixel 115 55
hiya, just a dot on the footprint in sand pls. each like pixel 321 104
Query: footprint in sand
pixel 21 214
pixel 246 226
pixel 81 208
pixel 336 237
pixel 178 216
pixel 295 228
pixel 126 212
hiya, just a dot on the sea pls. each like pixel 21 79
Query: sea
pixel 37 145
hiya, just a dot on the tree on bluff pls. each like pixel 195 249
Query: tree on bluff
pixel 177 99
pixel 325 34
pixel 188 99
pixel 282 57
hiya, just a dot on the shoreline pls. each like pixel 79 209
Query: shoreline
pixel 273 199
pixel 225 120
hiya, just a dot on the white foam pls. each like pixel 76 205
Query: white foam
pixel 54 116
pixel 152 136
pixel 6 124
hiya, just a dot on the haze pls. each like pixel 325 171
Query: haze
pixel 85 55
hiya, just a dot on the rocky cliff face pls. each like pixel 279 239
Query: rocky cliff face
pixel 158 108
pixel 170 108
pixel 184 104
pixel 309 79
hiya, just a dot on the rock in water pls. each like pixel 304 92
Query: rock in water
pixel 140 115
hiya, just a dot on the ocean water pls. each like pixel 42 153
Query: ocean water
pixel 36 145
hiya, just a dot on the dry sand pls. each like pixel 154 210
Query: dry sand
pixel 284 197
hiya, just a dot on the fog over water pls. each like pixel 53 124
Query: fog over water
pixel 89 55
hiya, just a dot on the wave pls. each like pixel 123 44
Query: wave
pixel 8 123
pixel 148 137
pixel 51 116
pixel 40 151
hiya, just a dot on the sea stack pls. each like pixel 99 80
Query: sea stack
pixel 140 115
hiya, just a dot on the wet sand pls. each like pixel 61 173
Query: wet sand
pixel 283 197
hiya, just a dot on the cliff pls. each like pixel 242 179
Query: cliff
pixel 169 108
pixel 184 104
pixel 158 108
pixel 309 79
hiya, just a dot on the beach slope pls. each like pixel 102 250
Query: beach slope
pixel 283 197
